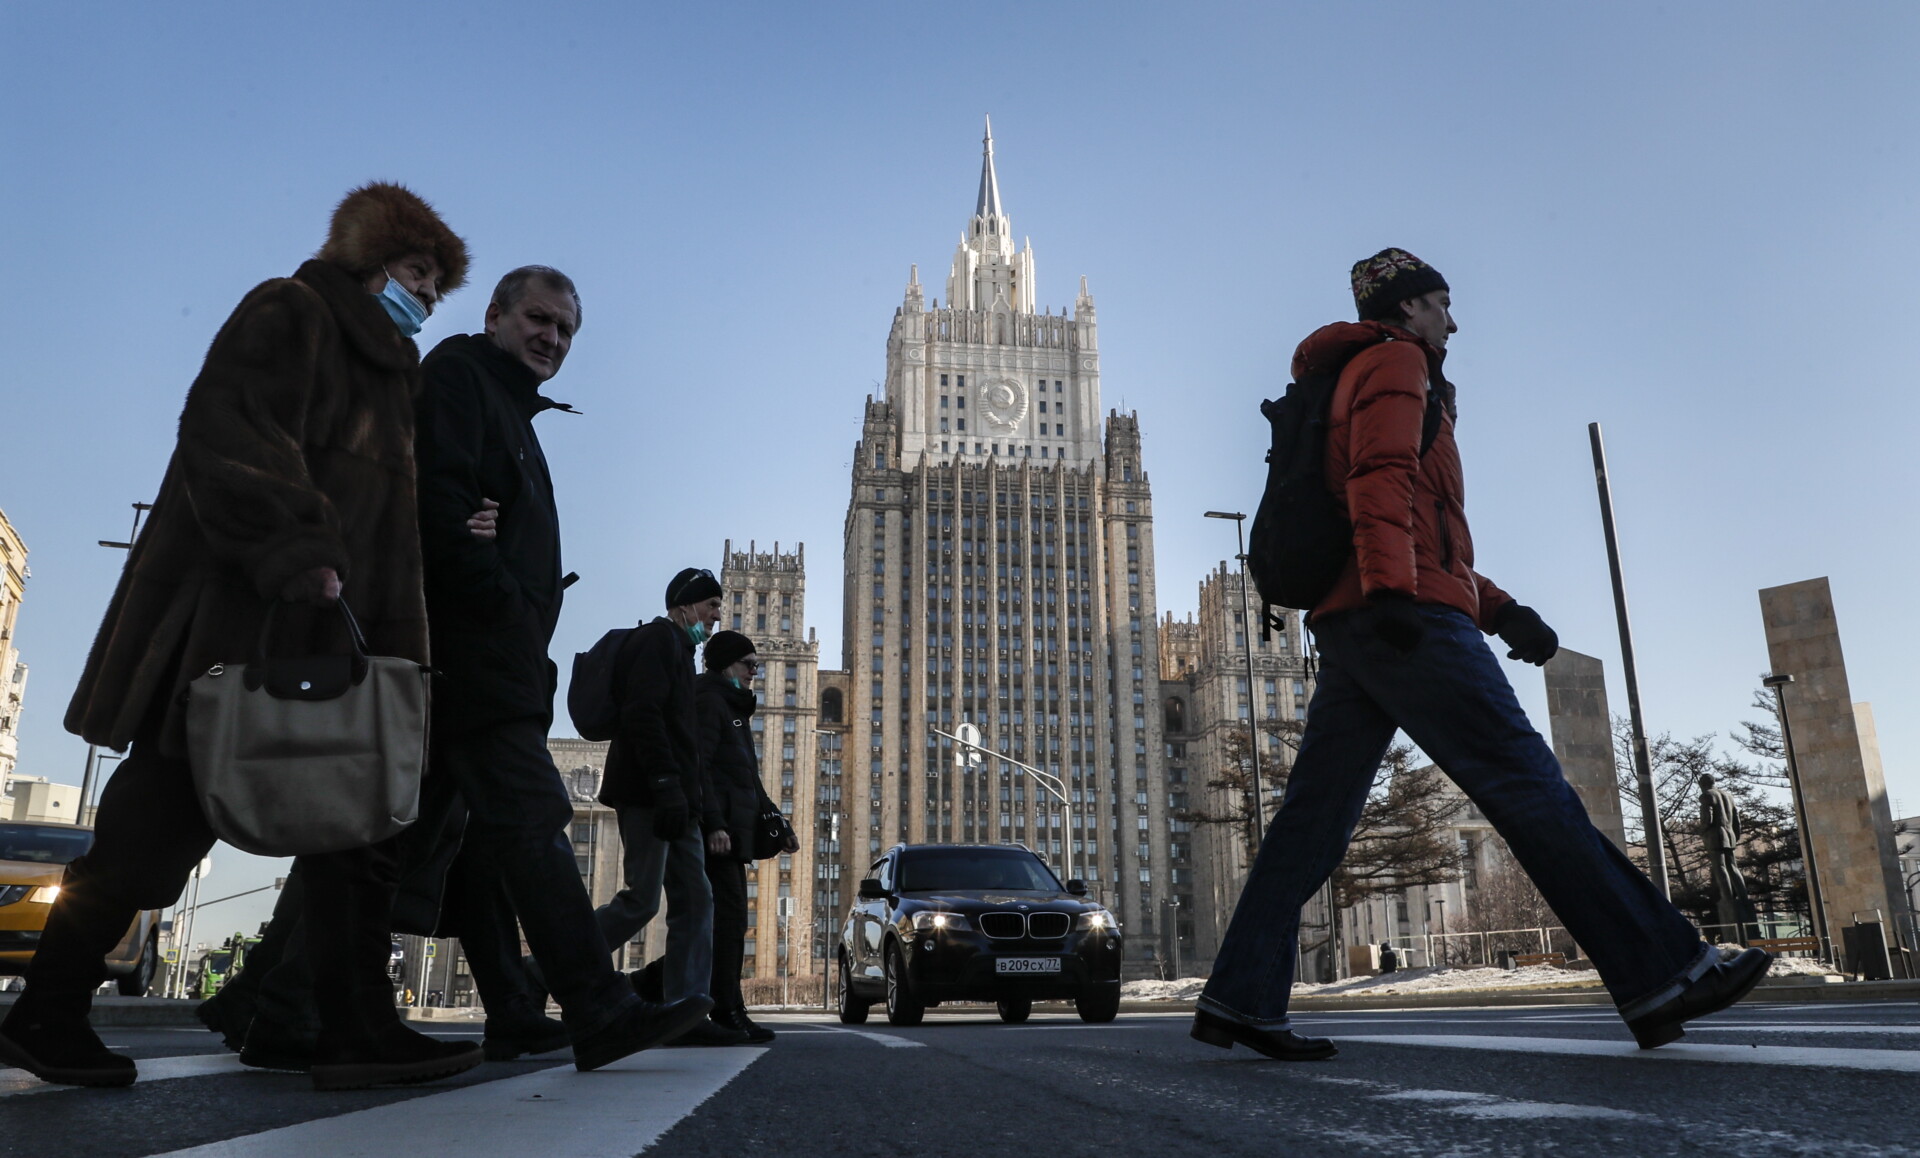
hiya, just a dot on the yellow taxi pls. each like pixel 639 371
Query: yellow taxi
pixel 32 859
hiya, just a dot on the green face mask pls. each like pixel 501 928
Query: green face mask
pixel 697 631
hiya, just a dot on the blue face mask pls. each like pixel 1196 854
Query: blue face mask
pixel 408 312
pixel 697 631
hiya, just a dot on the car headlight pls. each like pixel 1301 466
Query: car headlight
pixel 1099 920
pixel 927 921
pixel 44 895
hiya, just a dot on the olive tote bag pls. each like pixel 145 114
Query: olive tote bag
pixel 309 754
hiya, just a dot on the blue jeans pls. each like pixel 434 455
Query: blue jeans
pixel 1452 699
pixel 679 867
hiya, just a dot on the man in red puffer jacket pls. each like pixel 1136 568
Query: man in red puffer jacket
pixel 1401 646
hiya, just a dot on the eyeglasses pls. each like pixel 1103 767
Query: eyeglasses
pixel 673 600
pixel 753 665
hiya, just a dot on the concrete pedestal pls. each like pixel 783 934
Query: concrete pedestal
pixel 1583 738
pixel 1848 817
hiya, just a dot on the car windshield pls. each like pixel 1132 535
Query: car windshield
pixel 43 843
pixel 928 870
pixel 221 962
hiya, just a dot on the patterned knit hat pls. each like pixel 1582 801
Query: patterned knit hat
pixel 1388 278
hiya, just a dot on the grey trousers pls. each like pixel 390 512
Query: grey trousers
pixel 680 867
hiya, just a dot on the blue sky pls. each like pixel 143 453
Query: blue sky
pixel 1692 223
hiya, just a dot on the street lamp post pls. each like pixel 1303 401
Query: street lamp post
pixel 1174 904
pixel 1256 805
pixel 1814 893
pixel 93 750
pixel 1445 955
pixel 969 742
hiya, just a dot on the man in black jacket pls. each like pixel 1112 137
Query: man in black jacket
pixel 655 783
pixel 492 606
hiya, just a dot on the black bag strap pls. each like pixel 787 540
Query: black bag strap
pixel 357 640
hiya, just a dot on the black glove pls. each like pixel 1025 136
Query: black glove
pixel 1522 629
pixel 670 811
pixel 1397 621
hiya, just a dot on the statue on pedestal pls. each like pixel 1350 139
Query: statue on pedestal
pixel 1720 831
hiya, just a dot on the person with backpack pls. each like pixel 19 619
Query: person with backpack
pixel 1400 632
pixel 657 787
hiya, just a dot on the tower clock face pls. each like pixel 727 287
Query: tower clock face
pixel 1004 402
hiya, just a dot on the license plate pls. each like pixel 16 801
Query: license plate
pixel 1026 965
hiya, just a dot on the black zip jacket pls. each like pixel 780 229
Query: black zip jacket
pixel 491 606
pixel 735 795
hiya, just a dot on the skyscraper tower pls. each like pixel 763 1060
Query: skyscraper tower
pixel 999 571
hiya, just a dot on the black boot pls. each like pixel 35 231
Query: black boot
pixel 226 1017
pixel 1279 1044
pixel 273 1046
pixel 737 1018
pixel 711 1031
pixel 641 1025
pixel 392 1055
pixel 650 982
pixel 62 1050
pixel 1722 985
pixel 520 1032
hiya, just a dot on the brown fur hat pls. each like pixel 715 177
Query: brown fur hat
pixel 380 221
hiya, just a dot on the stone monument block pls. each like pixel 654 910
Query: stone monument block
pixel 1583 738
pixel 1849 821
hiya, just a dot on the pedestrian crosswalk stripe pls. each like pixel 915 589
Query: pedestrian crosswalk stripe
pixel 1878 1060
pixel 152 1069
pixel 885 1039
pixel 614 1112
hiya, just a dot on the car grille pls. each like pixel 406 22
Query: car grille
pixel 1040 926
pixel 25 939
pixel 1003 925
pixel 1048 926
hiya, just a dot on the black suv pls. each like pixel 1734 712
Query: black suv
pixel 972 922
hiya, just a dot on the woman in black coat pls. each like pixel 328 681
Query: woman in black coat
pixel 724 703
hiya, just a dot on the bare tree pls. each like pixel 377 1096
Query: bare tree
pixel 1402 839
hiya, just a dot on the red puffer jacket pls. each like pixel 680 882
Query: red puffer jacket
pixel 1408 511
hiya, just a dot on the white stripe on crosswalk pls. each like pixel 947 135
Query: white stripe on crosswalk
pixel 152 1069
pixel 613 1112
pixel 1878 1060
pixel 885 1039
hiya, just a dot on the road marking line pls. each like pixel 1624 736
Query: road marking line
pixel 1477 1105
pixel 152 1069
pixel 1694 1026
pixel 885 1039
pixel 1878 1060
pixel 613 1112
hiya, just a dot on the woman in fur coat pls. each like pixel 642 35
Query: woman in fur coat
pixel 292 479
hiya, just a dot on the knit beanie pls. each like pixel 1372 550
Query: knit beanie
pixel 1388 278
pixel 727 648
pixel 693 585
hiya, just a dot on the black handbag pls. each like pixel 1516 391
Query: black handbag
pixel 770 832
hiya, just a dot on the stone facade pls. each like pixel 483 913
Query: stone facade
pixel 1205 699
pixel 998 565
pixel 1583 738
pixel 1849 819
pixel 13 673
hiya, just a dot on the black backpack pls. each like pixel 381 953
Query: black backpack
pixel 592 699
pixel 1300 540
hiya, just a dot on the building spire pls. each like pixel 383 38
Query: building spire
pixel 989 203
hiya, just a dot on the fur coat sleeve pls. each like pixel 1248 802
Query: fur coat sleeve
pixel 243 437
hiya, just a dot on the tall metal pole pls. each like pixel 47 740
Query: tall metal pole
pixel 1256 806
pixel 1778 683
pixel 86 782
pixel 1642 760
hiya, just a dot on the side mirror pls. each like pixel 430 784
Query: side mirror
pixel 1077 888
pixel 870 890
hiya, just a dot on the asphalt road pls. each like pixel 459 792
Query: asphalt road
pixel 1757 1080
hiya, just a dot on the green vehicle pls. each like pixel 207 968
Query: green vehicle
pixel 219 964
